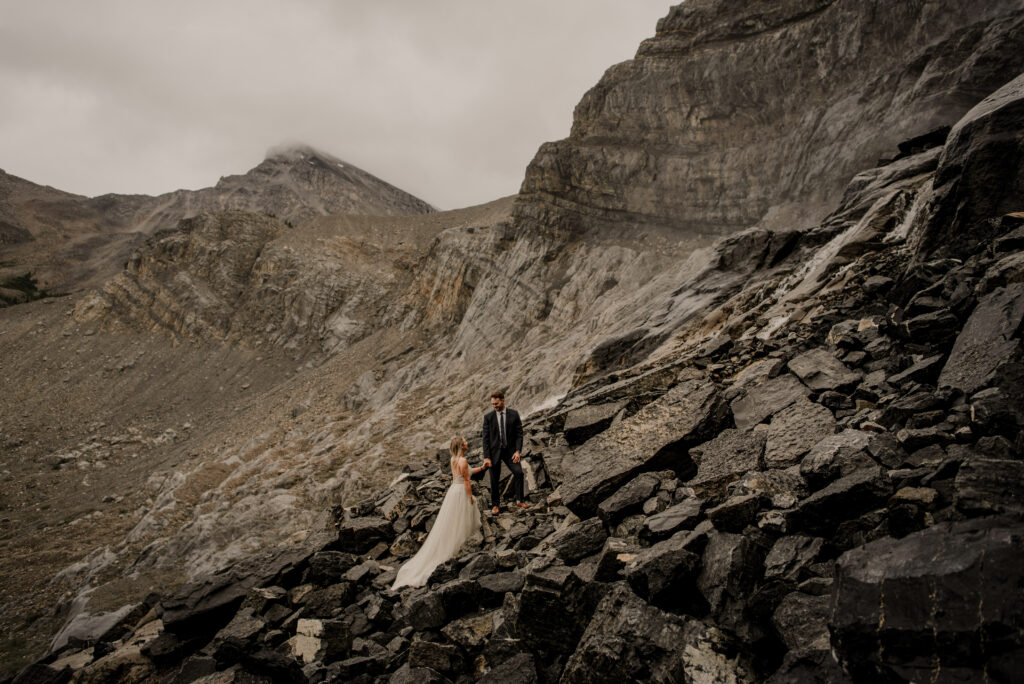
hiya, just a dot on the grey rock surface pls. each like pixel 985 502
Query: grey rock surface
pixel 766 399
pixel 953 580
pixel 724 459
pixel 988 340
pixel 820 370
pixel 655 438
pixel 794 430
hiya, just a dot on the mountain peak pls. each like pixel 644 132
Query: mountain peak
pixel 292 152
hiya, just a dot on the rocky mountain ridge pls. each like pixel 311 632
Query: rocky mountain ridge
pixel 67 242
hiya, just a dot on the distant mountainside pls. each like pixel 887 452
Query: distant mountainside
pixel 68 242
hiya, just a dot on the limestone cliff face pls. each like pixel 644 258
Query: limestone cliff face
pixel 739 113
pixel 734 115
pixel 253 280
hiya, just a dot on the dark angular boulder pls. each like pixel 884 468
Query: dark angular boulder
pixel 664 574
pixel 629 499
pixel 791 557
pixel 416 675
pixel 657 437
pixel 980 172
pixel 836 455
pixel 481 564
pixel 794 430
pixel 913 439
pixel 324 603
pixel 988 485
pixel 724 459
pixel 801 621
pixel 944 600
pixel 579 540
pixel 766 399
pixel 683 516
pixel 735 513
pixel 628 640
pixel 195 667
pixel 731 566
pixel 583 423
pixel 207 604
pixel 820 370
pixel 424 611
pixel 470 632
pixel 1000 410
pixel 933 329
pixel 552 610
pixel 924 371
pixel 459 597
pixel 359 535
pixel 519 669
pixel 613 558
pixel 434 656
pixel 500 583
pixel 844 499
pixel 810 667
pixel 359 668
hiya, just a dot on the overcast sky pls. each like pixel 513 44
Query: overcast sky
pixel 447 99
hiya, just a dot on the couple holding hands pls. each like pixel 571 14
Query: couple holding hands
pixel 458 519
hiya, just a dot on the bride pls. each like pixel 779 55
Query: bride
pixel 457 522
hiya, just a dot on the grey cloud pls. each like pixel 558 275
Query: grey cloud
pixel 448 100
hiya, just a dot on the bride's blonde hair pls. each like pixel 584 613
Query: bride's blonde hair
pixel 456 446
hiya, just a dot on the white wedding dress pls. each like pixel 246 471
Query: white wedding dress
pixel 457 522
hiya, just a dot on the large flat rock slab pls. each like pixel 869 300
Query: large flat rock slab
pixel 657 437
pixel 986 340
pixel 820 370
pixel 794 430
pixel 727 457
pixel 946 599
pixel 583 423
pixel 766 399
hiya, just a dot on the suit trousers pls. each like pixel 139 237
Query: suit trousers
pixel 518 480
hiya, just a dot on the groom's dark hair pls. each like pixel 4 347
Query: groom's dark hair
pixel 498 394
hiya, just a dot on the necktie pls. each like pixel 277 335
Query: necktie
pixel 501 428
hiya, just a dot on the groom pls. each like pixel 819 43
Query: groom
pixel 503 440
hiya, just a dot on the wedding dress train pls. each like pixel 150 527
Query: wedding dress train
pixel 457 522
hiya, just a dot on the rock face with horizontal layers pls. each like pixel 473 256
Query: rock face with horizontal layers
pixel 711 125
pixel 656 437
pixel 253 280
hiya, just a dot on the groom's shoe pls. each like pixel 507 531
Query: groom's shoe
pixel 495 511
pixel 522 504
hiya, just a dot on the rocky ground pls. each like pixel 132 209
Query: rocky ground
pixel 825 488
pixel 118 438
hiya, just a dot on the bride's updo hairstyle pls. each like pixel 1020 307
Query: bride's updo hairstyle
pixel 456 445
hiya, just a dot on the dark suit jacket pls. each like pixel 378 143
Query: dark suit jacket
pixel 492 436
